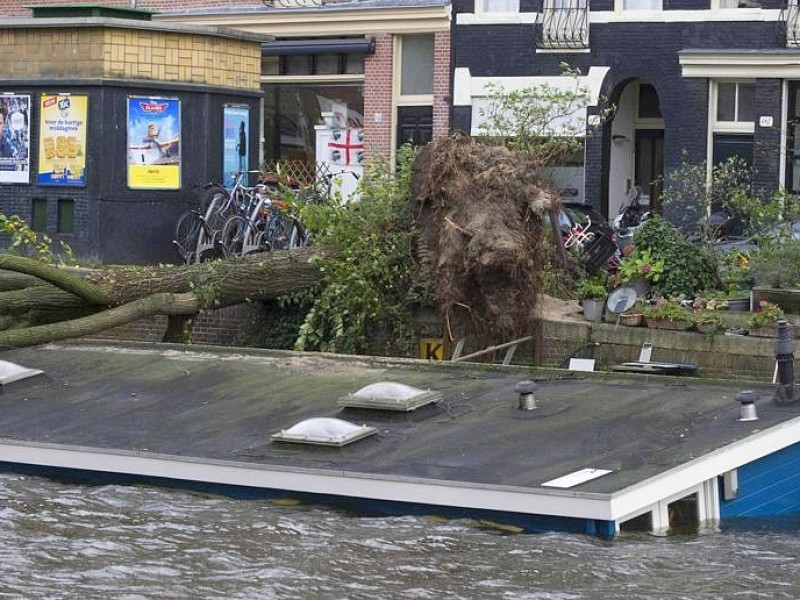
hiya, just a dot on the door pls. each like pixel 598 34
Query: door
pixel 414 125
pixel 649 164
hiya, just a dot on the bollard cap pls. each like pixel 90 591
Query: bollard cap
pixel 747 396
pixel 783 343
pixel 525 386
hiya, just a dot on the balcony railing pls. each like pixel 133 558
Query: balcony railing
pixel 565 24
pixel 790 22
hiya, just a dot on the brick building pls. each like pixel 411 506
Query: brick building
pixel 695 80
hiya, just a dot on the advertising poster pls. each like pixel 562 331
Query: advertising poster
pixel 15 111
pixel 62 139
pixel 154 150
pixel 235 145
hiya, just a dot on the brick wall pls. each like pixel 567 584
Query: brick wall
pixel 224 327
pixel 18 7
pixel 441 84
pixel 120 53
pixel 378 97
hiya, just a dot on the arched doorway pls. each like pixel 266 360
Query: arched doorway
pixel 636 154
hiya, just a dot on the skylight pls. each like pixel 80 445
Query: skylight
pixel 390 395
pixel 324 431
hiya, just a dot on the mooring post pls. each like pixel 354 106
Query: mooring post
pixel 784 358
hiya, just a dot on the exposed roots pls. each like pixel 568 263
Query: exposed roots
pixel 481 211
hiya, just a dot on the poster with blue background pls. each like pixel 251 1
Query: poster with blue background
pixel 235 142
pixel 154 150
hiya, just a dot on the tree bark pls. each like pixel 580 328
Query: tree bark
pixel 110 297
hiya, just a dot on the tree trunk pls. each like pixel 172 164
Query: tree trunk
pixel 74 303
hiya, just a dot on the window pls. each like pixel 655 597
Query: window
pixel 39 214
pixel 66 216
pixel 314 64
pixel 500 6
pixel 723 4
pixel 648 102
pixel 641 4
pixel 416 70
pixel 735 102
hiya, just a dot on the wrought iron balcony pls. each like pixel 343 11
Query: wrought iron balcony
pixel 565 24
pixel 790 20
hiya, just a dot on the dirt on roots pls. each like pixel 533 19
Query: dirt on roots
pixel 481 211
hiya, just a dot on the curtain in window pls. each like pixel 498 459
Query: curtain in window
pixel 508 6
pixel 642 4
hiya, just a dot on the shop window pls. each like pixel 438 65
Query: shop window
pixel 416 70
pixel 39 214
pixel 317 64
pixel 291 111
pixel 66 215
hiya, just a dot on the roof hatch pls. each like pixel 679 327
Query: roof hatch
pixel 389 395
pixel 324 431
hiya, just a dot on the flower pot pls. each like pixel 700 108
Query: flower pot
pixel 631 319
pixel 767 331
pixel 678 325
pixel 593 308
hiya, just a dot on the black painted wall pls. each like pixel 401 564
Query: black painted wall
pixel 648 51
pixel 113 223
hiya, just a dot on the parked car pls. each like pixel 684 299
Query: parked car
pixel 748 244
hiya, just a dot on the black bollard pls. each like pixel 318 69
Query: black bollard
pixel 784 356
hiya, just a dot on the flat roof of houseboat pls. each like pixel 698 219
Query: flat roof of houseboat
pixel 209 414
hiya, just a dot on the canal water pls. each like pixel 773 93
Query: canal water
pixel 61 540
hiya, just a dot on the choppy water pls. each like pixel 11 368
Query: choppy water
pixel 130 543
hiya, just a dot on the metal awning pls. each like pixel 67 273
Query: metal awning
pixel 365 45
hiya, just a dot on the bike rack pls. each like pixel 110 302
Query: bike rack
pixel 510 348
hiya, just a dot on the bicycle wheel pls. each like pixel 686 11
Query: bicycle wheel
pixel 280 232
pixel 233 236
pixel 186 235
pixel 298 237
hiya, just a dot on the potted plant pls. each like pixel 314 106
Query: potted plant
pixel 592 292
pixel 707 321
pixel 668 313
pixel 639 270
pixel 763 322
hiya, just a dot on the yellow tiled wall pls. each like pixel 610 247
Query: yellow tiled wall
pixel 120 53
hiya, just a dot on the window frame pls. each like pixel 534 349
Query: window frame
pixel 736 126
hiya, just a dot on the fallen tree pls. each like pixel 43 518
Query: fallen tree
pixel 40 302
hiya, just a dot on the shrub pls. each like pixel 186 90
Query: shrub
pixel 687 270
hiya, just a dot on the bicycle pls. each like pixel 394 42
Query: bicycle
pixel 197 234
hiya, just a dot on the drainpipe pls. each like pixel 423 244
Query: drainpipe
pixel 786 392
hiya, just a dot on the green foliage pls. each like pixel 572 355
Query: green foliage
pixel 641 265
pixel 541 123
pixel 25 241
pixel 592 286
pixel 686 270
pixel 767 313
pixel 669 309
pixel 368 291
pixel 776 260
